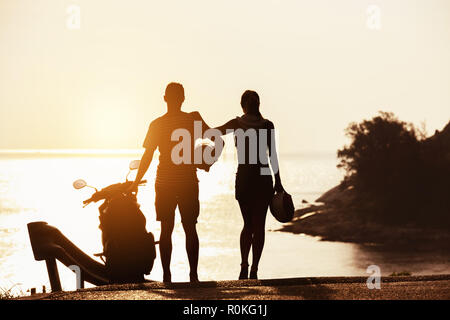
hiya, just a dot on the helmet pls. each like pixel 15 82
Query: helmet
pixel 205 147
pixel 282 207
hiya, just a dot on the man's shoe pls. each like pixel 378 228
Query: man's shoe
pixel 167 278
pixel 254 274
pixel 193 278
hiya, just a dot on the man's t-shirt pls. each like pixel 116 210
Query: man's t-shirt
pixel 159 136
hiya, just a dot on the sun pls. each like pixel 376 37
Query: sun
pixel 106 122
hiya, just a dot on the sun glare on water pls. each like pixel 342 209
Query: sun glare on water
pixel 40 188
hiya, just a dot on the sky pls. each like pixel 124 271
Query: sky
pixel 317 66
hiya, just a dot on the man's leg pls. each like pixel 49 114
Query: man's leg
pixel 192 248
pixel 189 207
pixel 165 204
pixel 165 247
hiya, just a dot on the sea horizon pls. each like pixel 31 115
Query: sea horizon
pixel 130 151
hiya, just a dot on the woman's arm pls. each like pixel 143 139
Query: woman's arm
pixel 229 126
pixel 273 156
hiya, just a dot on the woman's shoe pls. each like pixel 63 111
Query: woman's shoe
pixel 244 271
pixel 254 274
pixel 193 277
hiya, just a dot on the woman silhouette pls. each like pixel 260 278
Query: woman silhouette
pixel 255 143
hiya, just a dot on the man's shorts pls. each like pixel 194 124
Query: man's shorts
pixel 184 195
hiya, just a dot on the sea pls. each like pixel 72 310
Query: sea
pixel 37 186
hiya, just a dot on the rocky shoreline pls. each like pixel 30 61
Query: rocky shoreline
pixel 332 219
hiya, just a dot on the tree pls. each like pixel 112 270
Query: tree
pixel 382 163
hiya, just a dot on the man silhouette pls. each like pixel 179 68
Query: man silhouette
pixel 176 183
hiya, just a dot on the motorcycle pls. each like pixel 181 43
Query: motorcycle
pixel 128 249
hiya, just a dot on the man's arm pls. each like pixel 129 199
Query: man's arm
pixel 217 140
pixel 146 160
pixel 198 117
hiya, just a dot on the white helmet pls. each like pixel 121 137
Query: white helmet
pixel 206 148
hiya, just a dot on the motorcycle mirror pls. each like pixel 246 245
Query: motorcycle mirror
pixel 134 164
pixel 79 184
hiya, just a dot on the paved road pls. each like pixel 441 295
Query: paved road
pixel 425 287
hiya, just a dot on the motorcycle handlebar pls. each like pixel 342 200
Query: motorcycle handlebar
pixel 108 191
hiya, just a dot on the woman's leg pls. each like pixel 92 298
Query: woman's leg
pixel 259 224
pixel 246 238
